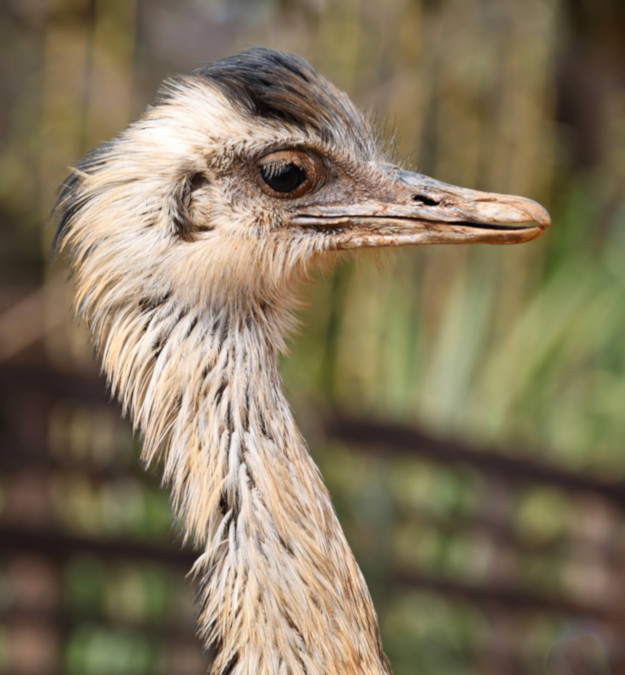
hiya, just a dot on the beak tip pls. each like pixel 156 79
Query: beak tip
pixel 536 213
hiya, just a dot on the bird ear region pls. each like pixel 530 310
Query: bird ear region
pixel 187 217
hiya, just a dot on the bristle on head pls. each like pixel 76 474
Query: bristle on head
pixel 285 88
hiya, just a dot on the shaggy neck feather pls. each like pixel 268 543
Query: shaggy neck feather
pixel 276 570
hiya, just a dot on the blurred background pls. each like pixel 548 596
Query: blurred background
pixel 465 404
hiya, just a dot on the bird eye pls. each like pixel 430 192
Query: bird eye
pixel 288 173
pixel 282 177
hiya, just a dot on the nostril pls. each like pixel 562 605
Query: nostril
pixel 426 201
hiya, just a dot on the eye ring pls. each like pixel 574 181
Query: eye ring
pixel 288 174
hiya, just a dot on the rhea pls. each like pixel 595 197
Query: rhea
pixel 187 236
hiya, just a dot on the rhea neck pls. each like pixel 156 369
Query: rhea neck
pixel 280 590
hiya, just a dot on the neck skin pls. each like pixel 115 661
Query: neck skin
pixel 280 590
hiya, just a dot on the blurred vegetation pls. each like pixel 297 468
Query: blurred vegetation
pixel 518 350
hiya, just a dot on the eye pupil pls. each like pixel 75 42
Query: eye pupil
pixel 283 177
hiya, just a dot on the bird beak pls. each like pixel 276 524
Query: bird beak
pixel 411 208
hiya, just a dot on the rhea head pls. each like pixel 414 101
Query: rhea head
pixel 244 172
